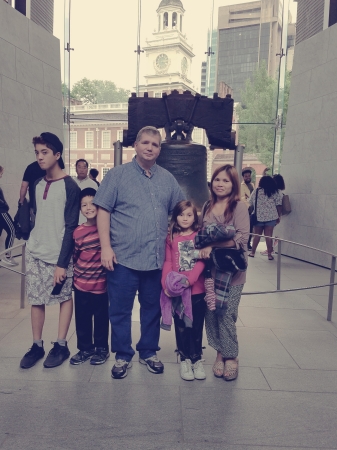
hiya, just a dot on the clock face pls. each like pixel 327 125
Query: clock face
pixel 162 61
pixel 184 65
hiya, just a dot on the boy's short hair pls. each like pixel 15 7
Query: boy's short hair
pixel 81 160
pixel 87 192
pixel 93 172
pixel 52 142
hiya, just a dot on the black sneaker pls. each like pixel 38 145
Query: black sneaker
pixel 100 356
pixel 56 356
pixel 31 357
pixel 81 357
pixel 153 364
pixel 120 369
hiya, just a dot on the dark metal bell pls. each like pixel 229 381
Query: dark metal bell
pixel 187 161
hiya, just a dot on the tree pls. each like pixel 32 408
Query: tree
pixel 257 113
pixel 98 91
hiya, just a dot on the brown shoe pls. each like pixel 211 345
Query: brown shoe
pixel 231 370
pixel 218 369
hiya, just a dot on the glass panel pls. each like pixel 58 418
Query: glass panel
pixel 237 58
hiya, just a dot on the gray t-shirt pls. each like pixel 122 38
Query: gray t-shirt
pixel 57 206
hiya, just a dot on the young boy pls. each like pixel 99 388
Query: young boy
pixel 49 250
pixel 90 286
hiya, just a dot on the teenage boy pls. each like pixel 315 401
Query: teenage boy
pixel 90 287
pixel 49 250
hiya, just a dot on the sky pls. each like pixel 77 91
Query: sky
pixel 104 36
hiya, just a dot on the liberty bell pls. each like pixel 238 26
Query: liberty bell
pixel 178 114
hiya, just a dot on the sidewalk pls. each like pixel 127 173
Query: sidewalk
pixel 284 398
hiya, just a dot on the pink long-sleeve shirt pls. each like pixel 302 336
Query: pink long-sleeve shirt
pixel 179 257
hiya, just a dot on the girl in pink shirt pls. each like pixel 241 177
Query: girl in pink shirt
pixel 181 257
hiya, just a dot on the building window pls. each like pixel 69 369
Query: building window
pixel 125 157
pixel 105 156
pixel 198 135
pixel 105 170
pixel 106 139
pixel 89 139
pixel 89 157
pixel 120 135
pixel 158 95
pixel 73 139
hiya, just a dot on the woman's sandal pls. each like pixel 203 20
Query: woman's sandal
pixel 218 369
pixel 270 257
pixel 231 369
pixel 251 255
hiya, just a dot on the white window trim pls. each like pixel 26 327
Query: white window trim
pixel 92 134
pixel 109 134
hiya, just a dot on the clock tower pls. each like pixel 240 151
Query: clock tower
pixel 168 54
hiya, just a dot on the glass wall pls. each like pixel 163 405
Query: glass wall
pixel 180 47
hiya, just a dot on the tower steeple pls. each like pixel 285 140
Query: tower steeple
pixel 170 15
pixel 168 54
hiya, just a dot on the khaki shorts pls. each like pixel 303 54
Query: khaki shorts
pixel 39 282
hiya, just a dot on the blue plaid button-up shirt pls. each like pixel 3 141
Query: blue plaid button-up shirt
pixel 139 207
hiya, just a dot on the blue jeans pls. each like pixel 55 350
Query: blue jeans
pixel 123 284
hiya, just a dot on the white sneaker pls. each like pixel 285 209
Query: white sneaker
pixel 9 261
pixel 186 371
pixel 199 371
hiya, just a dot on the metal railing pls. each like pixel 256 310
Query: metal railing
pixel 23 269
pixel 278 273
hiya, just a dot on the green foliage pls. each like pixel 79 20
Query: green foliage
pixel 98 91
pixel 259 106
pixel 65 90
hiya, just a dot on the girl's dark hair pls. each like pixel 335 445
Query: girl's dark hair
pixel 234 196
pixel 279 182
pixel 178 209
pixel 268 184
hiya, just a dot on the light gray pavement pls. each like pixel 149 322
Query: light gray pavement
pixel 284 398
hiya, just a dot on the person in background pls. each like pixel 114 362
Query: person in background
pixel 268 212
pixel 7 224
pixel 32 173
pixel 83 181
pixel 247 188
pixel 281 187
pixel 93 174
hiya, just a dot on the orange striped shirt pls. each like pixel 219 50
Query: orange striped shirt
pixel 89 274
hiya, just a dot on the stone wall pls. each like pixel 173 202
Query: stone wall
pixel 309 160
pixel 30 95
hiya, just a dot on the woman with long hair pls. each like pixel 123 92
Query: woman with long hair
pixel 268 201
pixel 281 187
pixel 225 207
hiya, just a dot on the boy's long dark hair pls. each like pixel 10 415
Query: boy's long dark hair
pixel 178 209
pixel 234 197
pixel 268 185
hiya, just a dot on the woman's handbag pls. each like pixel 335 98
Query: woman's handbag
pixel 253 217
pixel 286 207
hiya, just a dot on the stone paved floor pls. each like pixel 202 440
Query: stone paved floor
pixel 284 398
